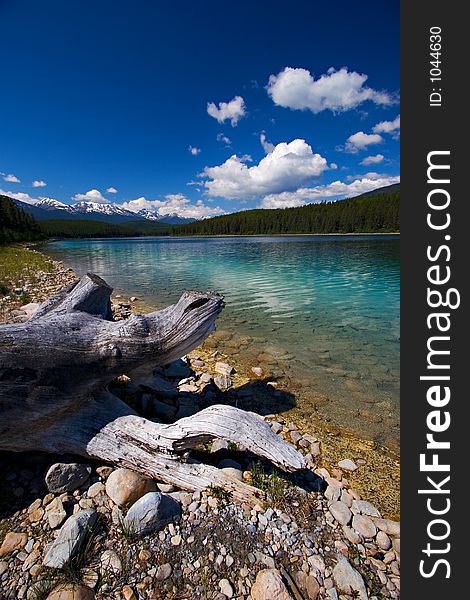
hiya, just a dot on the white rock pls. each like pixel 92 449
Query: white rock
pixel 392 528
pixel 364 508
pixel 95 489
pixel 347 464
pixel 347 579
pixel 383 541
pixel 269 586
pixel 340 512
pixel 226 588
pixel 223 368
pixel 364 526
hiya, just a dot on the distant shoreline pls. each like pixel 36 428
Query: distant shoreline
pixel 232 235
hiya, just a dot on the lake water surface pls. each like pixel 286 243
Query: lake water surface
pixel 321 312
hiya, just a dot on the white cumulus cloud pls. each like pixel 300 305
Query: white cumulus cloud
pixel 11 178
pixel 19 196
pixel 193 150
pixel 112 190
pixel 268 147
pixel 360 141
pixel 91 196
pixel 372 160
pixel 387 126
pixel 337 91
pixel 38 183
pixel 287 167
pixel 174 203
pixel 336 189
pixel 231 111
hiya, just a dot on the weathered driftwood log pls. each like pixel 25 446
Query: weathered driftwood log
pixel 54 373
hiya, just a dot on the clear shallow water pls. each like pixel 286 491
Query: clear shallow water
pixel 322 312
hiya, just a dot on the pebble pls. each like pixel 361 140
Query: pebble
pixel 55 513
pixel 163 572
pixel 223 382
pixel 223 368
pixel 312 587
pixel 347 579
pixel 364 526
pixel 364 508
pixel 226 588
pixel 269 585
pixel 383 541
pixel 13 541
pixel 392 528
pixel 110 561
pixel 340 512
pixel 96 489
pixel 347 464
pixel 275 427
pixel 128 593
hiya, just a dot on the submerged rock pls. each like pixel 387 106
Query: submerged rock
pixel 223 382
pixel 223 368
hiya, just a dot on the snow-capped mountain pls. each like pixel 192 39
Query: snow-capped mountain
pixel 51 204
pixel 48 208
pixel 101 209
pixel 148 214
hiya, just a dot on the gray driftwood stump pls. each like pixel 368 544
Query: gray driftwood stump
pixel 54 373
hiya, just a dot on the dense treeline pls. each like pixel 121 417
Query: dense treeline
pixel 83 228
pixel 15 224
pixel 371 213
pixel 365 214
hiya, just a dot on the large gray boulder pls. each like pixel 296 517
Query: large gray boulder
pixel 66 477
pixel 151 513
pixel 70 539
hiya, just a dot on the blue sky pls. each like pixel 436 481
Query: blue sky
pixel 113 95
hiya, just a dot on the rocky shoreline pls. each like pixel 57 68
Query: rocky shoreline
pixel 75 529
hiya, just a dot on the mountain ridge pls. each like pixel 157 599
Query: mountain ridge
pixel 50 209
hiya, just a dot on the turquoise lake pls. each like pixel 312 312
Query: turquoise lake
pixel 320 312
